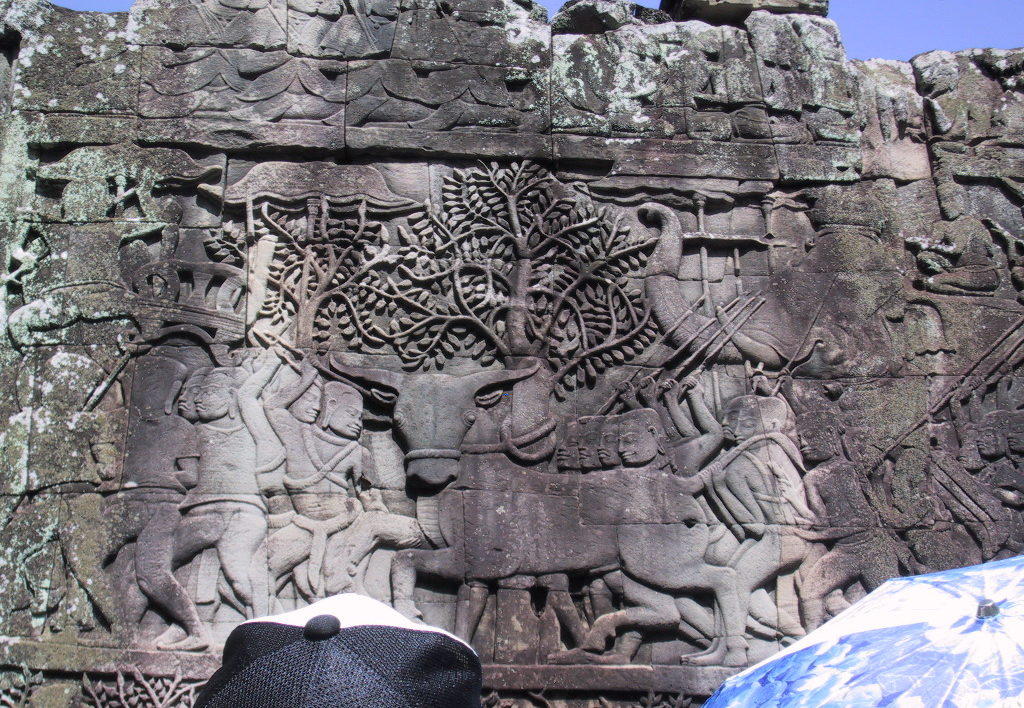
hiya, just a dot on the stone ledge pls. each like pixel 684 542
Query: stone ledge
pixel 75 658
pixel 701 681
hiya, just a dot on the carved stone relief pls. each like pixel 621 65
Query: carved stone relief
pixel 616 343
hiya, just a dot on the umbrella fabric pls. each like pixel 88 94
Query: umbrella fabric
pixel 915 642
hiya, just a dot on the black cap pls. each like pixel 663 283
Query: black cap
pixel 347 650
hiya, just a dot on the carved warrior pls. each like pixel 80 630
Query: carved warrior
pixel 286 317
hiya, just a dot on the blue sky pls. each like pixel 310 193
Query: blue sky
pixel 890 29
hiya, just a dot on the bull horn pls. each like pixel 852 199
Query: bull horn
pixel 669 251
pixel 380 378
pixel 661 286
pixel 485 379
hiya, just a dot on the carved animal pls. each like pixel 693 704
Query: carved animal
pixel 497 520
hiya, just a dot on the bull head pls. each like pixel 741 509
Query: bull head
pixel 429 420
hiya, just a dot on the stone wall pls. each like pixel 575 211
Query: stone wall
pixel 630 348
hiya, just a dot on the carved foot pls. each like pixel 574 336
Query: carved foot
pixel 720 653
pixel 604 628
pixel 582 656
pixel 189 643
pixel 169 636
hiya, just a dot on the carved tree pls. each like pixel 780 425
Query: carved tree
pixel 511 264
pixel 322 254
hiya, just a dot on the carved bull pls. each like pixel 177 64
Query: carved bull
pixel 506 522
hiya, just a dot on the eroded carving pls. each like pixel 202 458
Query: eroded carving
pixel 609 344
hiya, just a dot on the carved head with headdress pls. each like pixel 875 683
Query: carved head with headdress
pixel 341 410
pixel 157 382
pixel 990 434
pixel 640 437
pixel 590 442
pixel 747 416
pixel 212 392
pixel 567 456
pixel 820 434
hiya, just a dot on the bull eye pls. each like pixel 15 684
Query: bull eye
pixel 399 420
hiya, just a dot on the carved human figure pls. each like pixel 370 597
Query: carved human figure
pixel 952 117
pixel 74 454
pixel 567 454
pixel 608 448
pixel 756 489
pixel 663 535
pixel 160 464
pixel 700 433
pixel 972 504
pixel 590 443
pixel 101 182
pixel 984 489
pixel 225 510
pixel 839 494
pixel 315 494
pixel 1004 475
pixel 912 502
pixel 958 258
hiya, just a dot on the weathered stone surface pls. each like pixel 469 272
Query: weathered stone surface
pixel 628 349
pixel 211 23
pixel 894 137
pixel 483 32
pixel 74 62
pixel 242 85
pixel 597 16
pixel 684 80
pixel 726 11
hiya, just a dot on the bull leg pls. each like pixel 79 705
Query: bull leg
pixel 763 619
pixel 697 623
pixel 600 597
pixel 833 571
pixel 567 614
pixel 372 530
pixel 557 585
pixel 442 563
pixel 789 606
pixel 470 610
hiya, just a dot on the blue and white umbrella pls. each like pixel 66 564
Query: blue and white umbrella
pixel 953 639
